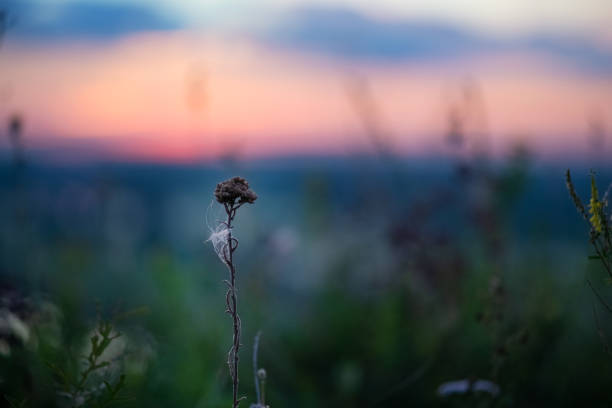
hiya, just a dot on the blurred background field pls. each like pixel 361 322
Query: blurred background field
pixel 369 282
pixel 413 226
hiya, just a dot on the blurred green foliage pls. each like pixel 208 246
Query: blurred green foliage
pixel 368 294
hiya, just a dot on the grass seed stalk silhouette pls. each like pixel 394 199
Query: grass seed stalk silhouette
pixel 600 232
pixel 260 376
pixel 233 194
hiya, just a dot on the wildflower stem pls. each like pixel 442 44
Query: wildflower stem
pixel 603 257
pixel 232 303
pixel 601 299
pixel 255 367
pixel 232 193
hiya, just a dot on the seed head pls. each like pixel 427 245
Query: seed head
pixel 596 208
pixel 235 191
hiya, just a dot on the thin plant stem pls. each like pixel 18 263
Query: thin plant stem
pixel 599 297
pixel 255 367
pixel 232 302
pixel 602 256
pixel 232 193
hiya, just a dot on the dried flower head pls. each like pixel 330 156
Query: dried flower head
pixel 235 191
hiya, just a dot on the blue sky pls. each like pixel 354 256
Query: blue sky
pixel 343 29
pixel 48 20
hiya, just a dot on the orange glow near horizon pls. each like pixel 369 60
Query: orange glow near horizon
pixel 183 97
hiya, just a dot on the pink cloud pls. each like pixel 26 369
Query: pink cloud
pixel 136 96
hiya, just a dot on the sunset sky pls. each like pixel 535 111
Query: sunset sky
pixel 184 81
